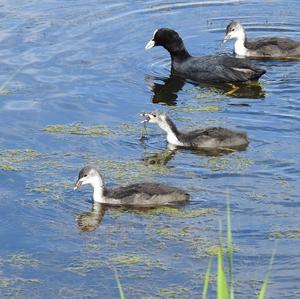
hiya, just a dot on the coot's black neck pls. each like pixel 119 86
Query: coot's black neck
pixel 177 50
pixel 179 55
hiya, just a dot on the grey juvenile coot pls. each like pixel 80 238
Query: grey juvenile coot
pixel 214 68
pixel 268 47
pixel 136 195
pixel 210 138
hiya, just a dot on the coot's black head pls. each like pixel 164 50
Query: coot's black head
pixel 167 38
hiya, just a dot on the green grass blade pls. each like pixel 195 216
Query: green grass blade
pixel 229 249
pixel 222 289
pixel 206 281
pixel 263 291
pixel 121 293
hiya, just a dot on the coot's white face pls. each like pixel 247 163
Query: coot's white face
pixel 234 30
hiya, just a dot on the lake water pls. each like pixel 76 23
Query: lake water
pixel 75 77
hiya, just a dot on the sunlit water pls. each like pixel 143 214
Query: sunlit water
pixel 83 62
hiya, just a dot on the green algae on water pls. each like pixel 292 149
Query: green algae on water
pixel 22 260
pixel 285 234
pixel 78 129
pixel 210 108
pixel 177 212
pixel 12 160
pixel 84 266
pixel 131 170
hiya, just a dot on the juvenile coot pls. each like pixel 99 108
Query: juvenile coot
pixel 267 47
pixel 214 68
pixel 209 138
pixel 137 195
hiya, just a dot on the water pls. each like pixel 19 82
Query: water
pixel 83 62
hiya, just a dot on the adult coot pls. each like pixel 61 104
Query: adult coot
pixel 214 68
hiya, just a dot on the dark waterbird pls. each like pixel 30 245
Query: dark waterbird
pixel 136 195
pixel 264 47
pixel 209 138
pixel 213 68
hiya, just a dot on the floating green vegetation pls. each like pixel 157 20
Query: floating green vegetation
pixel 84 266
pixel 218 163
pixel 40 190
pixel 286 234
pixel 11 160
pixel 170 232
pixel 4 282
pixel 126 171
pixel 177 212
pixel 174 292
pixel 127 260
pixel 91 131
pixel 22 260
pixel 78 129
pixel 4 92
pixel 10 283
pixel 200 108
pixel 221 163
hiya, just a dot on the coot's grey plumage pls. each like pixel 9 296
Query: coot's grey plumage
pixel 266 47
pixel 214 68
pixel 136 195
pixel 209 138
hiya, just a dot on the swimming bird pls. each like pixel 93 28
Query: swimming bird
pixel 209 138
pixel 267 47
pixel 213 68
pixel 141 195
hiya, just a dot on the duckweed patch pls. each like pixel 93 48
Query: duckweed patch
pixel 12 160
pixel 4 92
pixel 78 129
pixel 126 171
pixel 285 234
pixel 210 108
pixel 177 212
pixel 84 266
pixel 22 260
pixel 221 163
pixel 174 292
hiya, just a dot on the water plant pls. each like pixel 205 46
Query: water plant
pixel 225 288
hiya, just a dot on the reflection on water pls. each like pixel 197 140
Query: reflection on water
pixel 165 90
pixel 84 63
pixel 89 221
pixel 163 157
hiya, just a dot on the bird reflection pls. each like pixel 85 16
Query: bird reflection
pixel 89 221
pixel 165 90
pixel 163 157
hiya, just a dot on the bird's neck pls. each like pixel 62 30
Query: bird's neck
pixel 239 46
pixel 98 186
pixel 179 55
pixel 172 132
pixel 178 51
